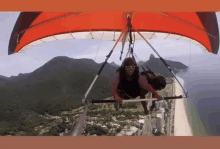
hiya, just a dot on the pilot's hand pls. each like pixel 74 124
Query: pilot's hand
pixel 118 99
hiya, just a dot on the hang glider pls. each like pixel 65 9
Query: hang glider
pixel 32 28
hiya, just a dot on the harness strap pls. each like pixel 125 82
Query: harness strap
pixel 131 43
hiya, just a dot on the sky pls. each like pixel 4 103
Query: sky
pixel 36 56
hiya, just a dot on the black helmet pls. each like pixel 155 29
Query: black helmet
pixel 129 61
pixel 159 82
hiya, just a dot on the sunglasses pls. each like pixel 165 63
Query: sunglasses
pixel 130 67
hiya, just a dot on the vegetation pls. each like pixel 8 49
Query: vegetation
pixel 59 86
pixel 54 106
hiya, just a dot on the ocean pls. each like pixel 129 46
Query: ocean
pixel 202 81
pixel 203 103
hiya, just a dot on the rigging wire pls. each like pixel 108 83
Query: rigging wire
pixel 190 66
pixel 99 46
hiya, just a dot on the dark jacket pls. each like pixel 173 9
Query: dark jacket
pixel 128 88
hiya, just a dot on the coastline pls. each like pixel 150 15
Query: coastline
pixel 181 123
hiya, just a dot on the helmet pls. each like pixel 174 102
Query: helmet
pixel 128 61
pixel 159 82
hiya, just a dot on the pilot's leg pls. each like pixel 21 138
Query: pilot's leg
pixel 144 103
pixel 153 104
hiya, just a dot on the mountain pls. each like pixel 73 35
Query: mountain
pixel 140 63
pixel 59 78
pixel 114 64
pixel 158 67
pixel 61 83
pixel 3 81
pixel 152 56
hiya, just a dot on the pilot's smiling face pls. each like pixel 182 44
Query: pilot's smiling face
pixel 130 69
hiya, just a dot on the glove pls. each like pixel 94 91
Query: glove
pixel 118 99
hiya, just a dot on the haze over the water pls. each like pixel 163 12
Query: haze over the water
pixel 203 85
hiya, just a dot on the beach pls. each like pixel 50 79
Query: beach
pixel 181 123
